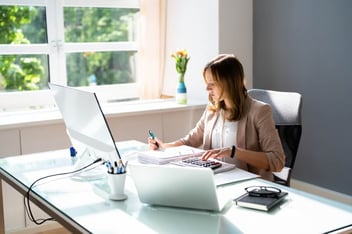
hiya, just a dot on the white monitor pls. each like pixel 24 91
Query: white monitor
pixel 86 126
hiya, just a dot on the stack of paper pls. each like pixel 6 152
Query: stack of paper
pixel 169 154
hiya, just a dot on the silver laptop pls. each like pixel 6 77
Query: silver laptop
pixel 175 186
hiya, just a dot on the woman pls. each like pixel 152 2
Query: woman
pixel 234 127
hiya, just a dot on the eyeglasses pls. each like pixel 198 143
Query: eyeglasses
pixel 263 191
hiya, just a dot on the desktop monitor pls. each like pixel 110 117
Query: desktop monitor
pixel 86 127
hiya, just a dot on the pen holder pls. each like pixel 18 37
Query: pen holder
pixel 117 186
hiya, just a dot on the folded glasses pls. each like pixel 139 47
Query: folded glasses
pixel 263 191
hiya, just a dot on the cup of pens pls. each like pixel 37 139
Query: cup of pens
pixel 116 180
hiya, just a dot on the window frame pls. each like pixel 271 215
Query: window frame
pixel 56 50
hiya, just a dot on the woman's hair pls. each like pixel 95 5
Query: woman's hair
pixel 228 74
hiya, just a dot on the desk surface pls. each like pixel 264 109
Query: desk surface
pixel 84 206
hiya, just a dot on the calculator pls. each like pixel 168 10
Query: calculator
pixel 198 162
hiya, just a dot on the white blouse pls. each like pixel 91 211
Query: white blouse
pixel 224 133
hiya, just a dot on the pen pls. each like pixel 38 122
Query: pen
pixel 125 167
pixel 151 134
pixel 110 168
pixel 117 167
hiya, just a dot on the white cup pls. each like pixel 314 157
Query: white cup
pixel 117 186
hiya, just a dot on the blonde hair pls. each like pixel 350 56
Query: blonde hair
pixel 228 74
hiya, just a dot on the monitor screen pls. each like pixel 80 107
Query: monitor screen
pixel 86 124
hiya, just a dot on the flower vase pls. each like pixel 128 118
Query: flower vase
pixel 181 92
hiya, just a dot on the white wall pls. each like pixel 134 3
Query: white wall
pixel 194 28
pixel 206 28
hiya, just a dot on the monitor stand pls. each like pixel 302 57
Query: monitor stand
pixel 94 172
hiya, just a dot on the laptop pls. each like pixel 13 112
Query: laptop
pixel 175 186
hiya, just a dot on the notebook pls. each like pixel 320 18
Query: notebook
pixel 260 203
pixel 175 186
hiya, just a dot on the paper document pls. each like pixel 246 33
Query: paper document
pixel 233 175
pixel 169 154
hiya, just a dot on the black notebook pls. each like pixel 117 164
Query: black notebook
pixel 259 203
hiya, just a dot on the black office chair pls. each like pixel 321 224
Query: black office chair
pixel 286 107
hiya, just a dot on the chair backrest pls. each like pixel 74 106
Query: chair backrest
pixel 287 108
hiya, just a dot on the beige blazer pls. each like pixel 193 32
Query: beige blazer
pixel 255 131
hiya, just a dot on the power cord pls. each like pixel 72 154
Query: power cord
pixel 27 197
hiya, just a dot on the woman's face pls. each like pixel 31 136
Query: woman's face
pixel 213 89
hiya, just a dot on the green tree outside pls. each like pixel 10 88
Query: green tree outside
pixel 27 25
pixel 98 25
pixel 18 72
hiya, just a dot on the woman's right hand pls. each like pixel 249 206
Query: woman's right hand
pixel 154 144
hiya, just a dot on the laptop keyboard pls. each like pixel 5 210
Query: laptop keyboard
pixel 197 162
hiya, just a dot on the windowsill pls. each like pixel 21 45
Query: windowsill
pixel 52 115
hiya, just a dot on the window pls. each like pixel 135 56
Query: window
pixel 88 44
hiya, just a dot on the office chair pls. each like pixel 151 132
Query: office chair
pixel 286 108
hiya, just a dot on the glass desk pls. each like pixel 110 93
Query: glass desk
pixel 84 206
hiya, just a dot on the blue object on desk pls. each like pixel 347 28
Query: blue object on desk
pixel 73 151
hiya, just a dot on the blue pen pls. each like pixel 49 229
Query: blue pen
pixel 122 168
pixel 110 168
pixel 151 134
pixel 117 167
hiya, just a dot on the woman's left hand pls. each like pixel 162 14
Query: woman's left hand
pixel 216 153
